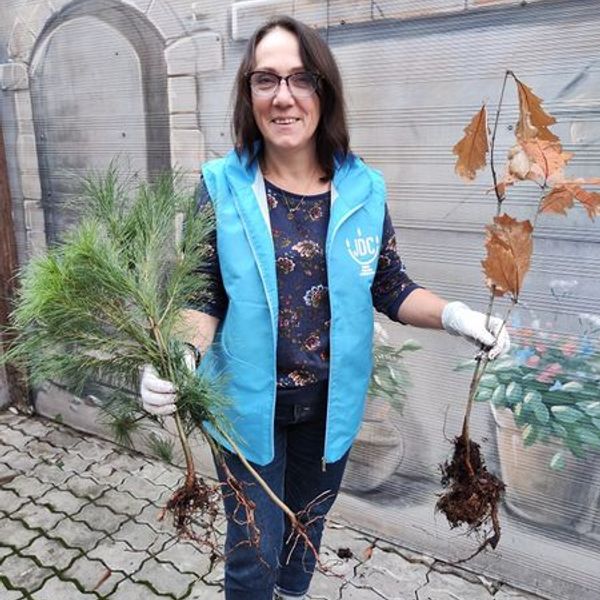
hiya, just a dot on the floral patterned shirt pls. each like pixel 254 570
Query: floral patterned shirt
pixel 299 229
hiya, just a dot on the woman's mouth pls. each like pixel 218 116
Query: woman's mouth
pixel 284 120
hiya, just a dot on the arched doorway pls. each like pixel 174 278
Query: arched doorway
pixel 99 91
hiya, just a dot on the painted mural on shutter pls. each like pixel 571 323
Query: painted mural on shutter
pixel 414 74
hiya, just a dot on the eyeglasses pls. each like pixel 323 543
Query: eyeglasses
pixel 300 85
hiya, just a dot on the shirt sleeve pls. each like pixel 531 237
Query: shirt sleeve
pixel 214 300
pixel 391 285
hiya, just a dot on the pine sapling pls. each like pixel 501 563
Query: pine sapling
pixel 108 300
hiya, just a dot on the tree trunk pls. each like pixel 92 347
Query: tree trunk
pixel 15 379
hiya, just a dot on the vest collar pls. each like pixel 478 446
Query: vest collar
pixel 248 193
pixel 352 190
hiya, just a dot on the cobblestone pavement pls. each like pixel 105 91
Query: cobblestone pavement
pixel 78 520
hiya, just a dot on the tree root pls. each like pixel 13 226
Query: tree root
pixel 195 507
pixel 472 493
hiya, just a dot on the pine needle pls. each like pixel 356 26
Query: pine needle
pixel 107 299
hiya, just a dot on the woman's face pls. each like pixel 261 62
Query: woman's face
pixel 286 123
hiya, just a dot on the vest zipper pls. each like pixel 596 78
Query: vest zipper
pixel 328 243
pixel 273 331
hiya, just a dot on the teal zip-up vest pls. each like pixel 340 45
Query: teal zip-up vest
pixel 245 349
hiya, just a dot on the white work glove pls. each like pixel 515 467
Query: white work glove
pixel 159 395
pixel 459 319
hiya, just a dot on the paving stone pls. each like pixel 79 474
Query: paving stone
pixel 93 575
pixel 353 593
pixel 336 566
pixel 36 516
pixel 78 469
pixel 335 537
pixel 21 572
pixel 164 578
pixel 72 463
pixel 141 488
pixel 140 537
pixel 202 591
pixel 6 594
pixel 118 556
pixel 100 517
pixel 27 487
pixel 326 586
pixel 129 590
pixel 152 471
pixel 16 438
pixel 42 450
pixel 216 576
pixel 4 551
pixel 92 450
pixel 124 461
pixel 150 515
pixel 390 575
pixel 122 502
pixel 50 553
pixel 221 524
pixel 84 487
pixel 19 460
pixel 8 417
pixel 62 501
pixel 450 587
pixel 63 438
pixel 171 478
pixel 34 427
pixel 164 496
pixel 5 449
pixel 55 588
pixel 15 534
pixel 106 473
pixel 51 474
pixel 76 535
pixel 10 501
pixel 186 557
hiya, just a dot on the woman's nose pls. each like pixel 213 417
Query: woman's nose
pixel 283 94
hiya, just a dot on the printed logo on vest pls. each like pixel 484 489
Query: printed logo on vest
pixel 364 250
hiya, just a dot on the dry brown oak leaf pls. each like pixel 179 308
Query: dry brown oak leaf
pixel 547 159
pixel 509 247
pixel 562 197
pixel 533 119
pixel 472 148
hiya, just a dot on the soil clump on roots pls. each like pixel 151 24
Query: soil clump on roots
pixel 472 493
pixel 194 508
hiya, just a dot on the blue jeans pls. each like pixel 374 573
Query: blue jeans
pixel 296 476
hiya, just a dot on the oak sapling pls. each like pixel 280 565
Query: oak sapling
pixel 472 494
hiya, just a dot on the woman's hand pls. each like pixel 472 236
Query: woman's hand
pixel 459 319
pixel 160 395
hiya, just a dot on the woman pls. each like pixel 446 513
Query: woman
pixel 304 249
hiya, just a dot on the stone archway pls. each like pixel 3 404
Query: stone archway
pixel 69 62
pixel 98 84
pixel 170 56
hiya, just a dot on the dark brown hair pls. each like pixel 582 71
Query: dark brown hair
pixel 332 133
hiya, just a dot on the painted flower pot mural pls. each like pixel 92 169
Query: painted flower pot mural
pixel 472 493
pixel 379 447
pixel 545 399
